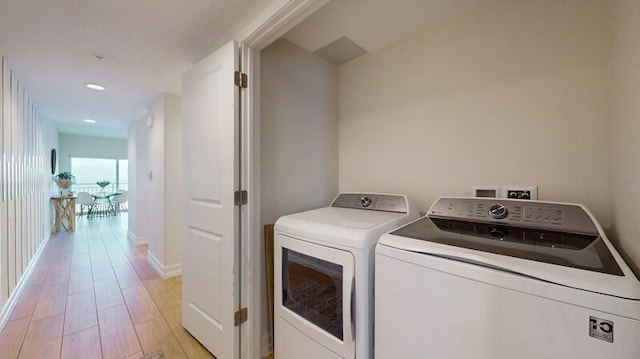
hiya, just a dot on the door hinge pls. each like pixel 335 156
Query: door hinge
pixel 240 198
pixel 240 316
pixel 240 79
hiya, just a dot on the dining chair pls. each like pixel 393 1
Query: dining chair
pixel 85 199
pixel 119 202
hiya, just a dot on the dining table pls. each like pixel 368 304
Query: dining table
pixel 103 206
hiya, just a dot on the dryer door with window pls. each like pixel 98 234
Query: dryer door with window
pixel 313 300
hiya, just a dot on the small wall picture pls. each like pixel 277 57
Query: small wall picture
pixel 54 157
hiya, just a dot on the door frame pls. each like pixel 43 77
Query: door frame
pixel 273 22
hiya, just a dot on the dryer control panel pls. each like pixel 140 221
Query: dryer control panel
pixel 372 201
pixel 525 213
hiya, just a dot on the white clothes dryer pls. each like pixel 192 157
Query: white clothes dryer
pixel 323 280
pixel 503 279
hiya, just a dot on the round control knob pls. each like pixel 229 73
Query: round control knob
pixel 365 201
pixel 498 211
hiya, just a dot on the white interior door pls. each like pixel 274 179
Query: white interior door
pixel 211 139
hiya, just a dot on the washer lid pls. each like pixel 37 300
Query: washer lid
pixel 582 251
pixel 582 261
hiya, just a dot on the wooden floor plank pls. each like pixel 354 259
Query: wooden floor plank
pixel 127 276
pixel 57 274
pixel 176 284
pixel 80 281
pixel 12 336
pixel 137 355
pixel 189 344
pixel 120 260
pixel 84 344
pixel 38 275
pixel 102 270
pixel 162 293
pixel 107 294
pixel 81 312
pixel 43 339
pixel 27 302
pixel 98 253
pixel 117 334
pixel 156 335
pixel 52 301
pixel 144 269
pixel 82 262
pixel 135 253
pixel 80 247
pixel 141 307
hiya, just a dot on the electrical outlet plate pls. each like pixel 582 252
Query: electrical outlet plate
pixel 486 191
pixel 520 192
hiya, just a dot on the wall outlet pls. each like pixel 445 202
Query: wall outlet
pixel 520 192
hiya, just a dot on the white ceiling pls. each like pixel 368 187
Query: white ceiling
pixel 375 24
pixel 147 45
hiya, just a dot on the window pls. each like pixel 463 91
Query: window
pixel 89 171
pixel 123 173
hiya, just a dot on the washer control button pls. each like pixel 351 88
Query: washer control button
pixel 498 211
pixel 365 201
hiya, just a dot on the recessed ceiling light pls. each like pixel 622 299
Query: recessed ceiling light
pixel 88 120
pixel 95 87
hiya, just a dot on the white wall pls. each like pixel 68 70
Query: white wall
pixel 156 154
pixel 138 183
pixel 173 175
pixel 164 157
pixel 513 93
pixel 299 135
pixel 89 147
pixel 25 141
pixel 299 131
pixel 625 129
pixel 238 25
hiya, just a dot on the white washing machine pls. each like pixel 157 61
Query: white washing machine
pixel 503 279
pixel 324 275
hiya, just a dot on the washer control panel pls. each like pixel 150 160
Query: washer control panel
pixel 372 201
pixel 531 214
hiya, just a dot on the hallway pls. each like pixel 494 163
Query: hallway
pixel 93 295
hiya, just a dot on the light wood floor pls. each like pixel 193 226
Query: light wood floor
pixel 93 295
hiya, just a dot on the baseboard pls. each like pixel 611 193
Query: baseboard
pixel 137 241
pixel 173 270
pixel 154 262
pixel 8 308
